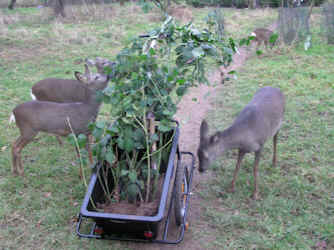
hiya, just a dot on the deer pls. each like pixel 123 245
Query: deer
pixel 100 64
pixel 260 120
pixel 57 118
pixel 66 90
pixel 262 35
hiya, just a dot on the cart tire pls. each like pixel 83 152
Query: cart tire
pixel 181 189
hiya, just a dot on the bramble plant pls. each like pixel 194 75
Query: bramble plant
pixel 149 76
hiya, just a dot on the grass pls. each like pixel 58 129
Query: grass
pixel 38 211
pixel 296 210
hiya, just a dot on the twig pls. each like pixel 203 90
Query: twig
pixel 82 172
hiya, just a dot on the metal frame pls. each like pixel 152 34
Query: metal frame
pixel 165 234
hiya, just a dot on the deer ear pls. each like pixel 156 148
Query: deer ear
pixel 204 131
pixel 80 77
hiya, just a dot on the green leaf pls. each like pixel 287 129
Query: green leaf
pixel 165 126
pixel 152 52
pixel 232 44
pixel 180 91
pixel 124 172
pixel 244 41
pixel 109 91
pixel 133 176
pixel 71 139
pixel 110 157
pixel 132 191
pixel 167 112
pixel 100 124
pixel 113 128
pixel 195 32
pixel 154 138
pixel 82 139
pixel 181 81
pixel 97 133
pixel 273 38
pixel 198 52
pixel 128 144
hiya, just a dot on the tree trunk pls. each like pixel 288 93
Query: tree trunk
pixel 11 4
pixel 59 8
pixel 254 4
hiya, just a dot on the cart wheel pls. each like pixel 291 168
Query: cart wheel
pixel 181 189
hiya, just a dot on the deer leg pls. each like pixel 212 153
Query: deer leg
pixel 59 140
pixel 18 145
pixel 275 149
pixel 15 155
pixel 241 155
pixel 255 195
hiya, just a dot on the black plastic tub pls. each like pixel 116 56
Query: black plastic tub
pixel 130 227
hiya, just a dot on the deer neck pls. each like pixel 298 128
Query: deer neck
pixel 223 141
pixel 93 103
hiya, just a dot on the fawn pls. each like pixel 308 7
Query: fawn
pixel 258 121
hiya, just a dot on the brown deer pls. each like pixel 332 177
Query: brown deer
pixel 51 117
pixel 65 90
pixel 258 121
pixel 100 64
pixel 262 35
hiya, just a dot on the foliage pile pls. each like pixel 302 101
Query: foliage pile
pixel 150 75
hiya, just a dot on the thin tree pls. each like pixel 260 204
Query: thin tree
pixel 59 8
pixel 11 4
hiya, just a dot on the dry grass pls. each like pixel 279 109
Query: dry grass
pixel 181 13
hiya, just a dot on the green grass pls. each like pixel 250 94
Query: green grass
pixel 296 210
pixel 38 210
